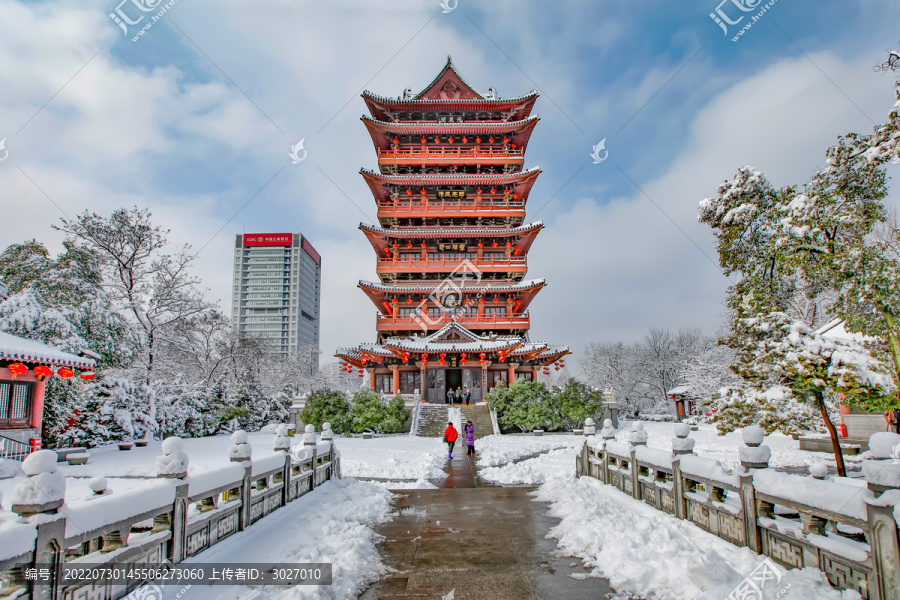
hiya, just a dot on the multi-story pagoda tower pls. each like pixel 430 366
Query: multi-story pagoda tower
pixel 451 242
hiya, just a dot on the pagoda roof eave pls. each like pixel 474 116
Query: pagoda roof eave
pixel 467 289
pixel 525 126
pixel 524 234
pixel 472 127
pixel 518 107
pixel 521 181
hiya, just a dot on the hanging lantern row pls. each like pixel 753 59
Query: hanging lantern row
pixel 464 140
pixel 42 371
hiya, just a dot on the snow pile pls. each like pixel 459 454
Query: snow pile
pixel 211 479
pixel 608 432
pixel 653 456
pixel 495 450
pixel 638 435
pixel 706 468
pixel 44 484
pixel 333 525
pixel 399 458
pixel 86 511
pixel 174 460
pixel 839 498
pixel 240 448
pixel 555 464
pixel 9 469
pixel 884 445
pixel 882 472
pixel 281 441
pixel 650 554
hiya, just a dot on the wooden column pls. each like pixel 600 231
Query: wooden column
pixel 422 381
pixel 371 378
pixel 395 369
pixel 512 373
pixel 484 379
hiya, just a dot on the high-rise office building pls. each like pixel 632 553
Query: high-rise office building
pixel 276 292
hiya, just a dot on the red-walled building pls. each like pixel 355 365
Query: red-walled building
pixel 25 366
pixel 451 242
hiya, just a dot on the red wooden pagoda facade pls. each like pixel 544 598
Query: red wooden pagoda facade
pixel 451 242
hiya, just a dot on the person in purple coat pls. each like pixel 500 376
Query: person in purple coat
pixel 470 438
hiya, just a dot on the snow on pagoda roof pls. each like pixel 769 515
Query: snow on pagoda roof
pixel 465 126
pixel 452 179
pixel 13 347
pixel 679 390
pixel 424 233
pixel 442 340
pixel 481 287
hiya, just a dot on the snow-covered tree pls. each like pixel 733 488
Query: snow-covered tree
pixel 708 372
pixel 154 288
pixel 113 410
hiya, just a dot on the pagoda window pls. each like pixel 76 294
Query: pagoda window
pixel 408 312
pixel 410 255
pixel 495 310
pixel 15 403
pixel 471 379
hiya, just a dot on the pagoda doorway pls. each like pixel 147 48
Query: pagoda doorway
pixel 454 379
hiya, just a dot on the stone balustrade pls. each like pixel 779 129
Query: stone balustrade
pixel 847 528
pixel 164 520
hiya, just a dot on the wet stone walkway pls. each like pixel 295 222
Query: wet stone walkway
pixel 478 541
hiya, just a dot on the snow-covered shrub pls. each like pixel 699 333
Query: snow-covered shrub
pixel 112 410
pixel 775 409
pixel 368 411
pixel 326 405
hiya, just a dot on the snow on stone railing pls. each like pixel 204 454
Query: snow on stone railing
pixel 846 527
pixel 124 522
pixel 589 427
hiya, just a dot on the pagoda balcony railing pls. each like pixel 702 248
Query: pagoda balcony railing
pixel 454 206
pixel 433 322
pixel 439 155
pixel 516 264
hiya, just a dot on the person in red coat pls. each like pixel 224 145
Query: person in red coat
pixel 450 436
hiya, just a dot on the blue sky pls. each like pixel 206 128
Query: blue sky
pixel 197 115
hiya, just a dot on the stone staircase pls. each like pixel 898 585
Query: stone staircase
pixel 480 417
pixel 433 419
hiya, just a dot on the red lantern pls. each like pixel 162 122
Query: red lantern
pixel 502 359
pixel 505 140
pixel 514 146
pixel 424 356
pixel 515 195
pixel 496 299
pixel 557 368
pixel 361 375
pixel 465 140
pixel 491 140
pixel 442 355
pixel 441 361
pixel 408 245
pixel 409 300
pixel 396 141
pixel 508 244
pixel 437 140
pixel 65 373
pixel 43 371
pixel 481 299
pixel 88 375
pixel 494 244
pixel 482 355
pixel 478 140
pixel 360 370
pixel 408 192
pixel 423 140
pixel 423 245
pixel 481 360
pixel 506 191
pixel 478 191
pixel 423 191
pixel 463 361
pixel 493 190
pixel 450 140
pixel 395 245
pixel 17 369
pixel 463 355
pixel 481 244
pixel 517 248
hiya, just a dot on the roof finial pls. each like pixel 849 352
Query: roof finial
pixel 449 60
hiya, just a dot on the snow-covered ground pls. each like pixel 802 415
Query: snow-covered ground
pixel 334 524
pixel 649 554
pixel 399 461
